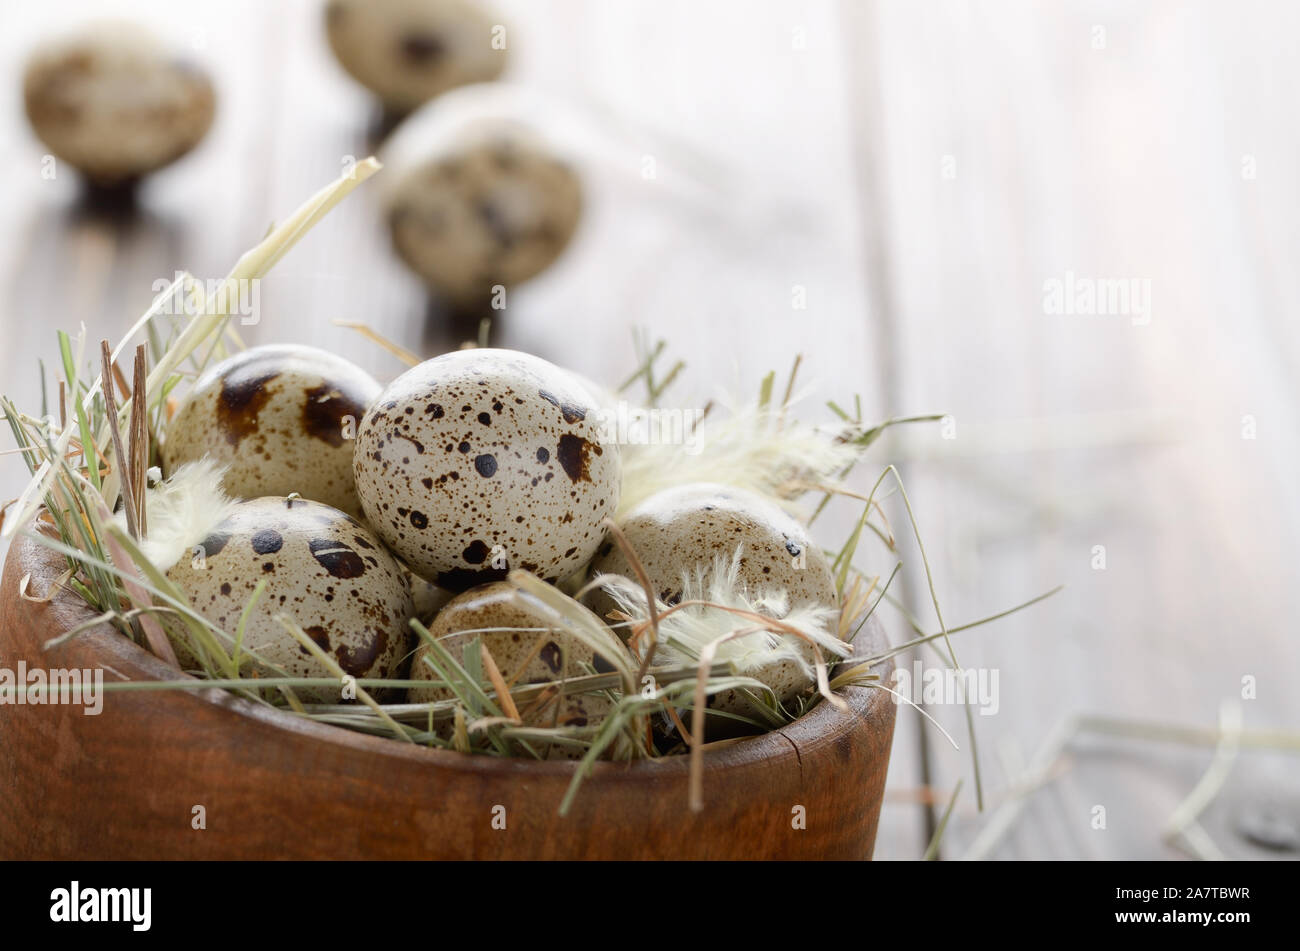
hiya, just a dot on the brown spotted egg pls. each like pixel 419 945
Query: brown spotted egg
pixel 678 530
pixel 480 461
pixel 525 648
pixel 322 568
pixel 282 417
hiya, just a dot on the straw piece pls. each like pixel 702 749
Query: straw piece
pixel 503 692
pixel 139 447
pixel 374 336
pixel 149 625
pixel 644 578
pixel 122 459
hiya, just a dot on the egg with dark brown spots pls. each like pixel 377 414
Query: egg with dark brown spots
pixel 526 649
pixel 283 418
pixel 323 569
pixel 481 461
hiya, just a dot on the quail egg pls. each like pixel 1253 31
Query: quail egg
pixel 679 530
pixel 529 650
pixel 282 417
pixel 492 208
pixel 427 599
pixel 115 104
pixel 408 51
pixel 479 461
pixel 323 569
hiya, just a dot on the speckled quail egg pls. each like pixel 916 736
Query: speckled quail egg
pixel 408 51
pixel 533 652
pixel 479 461
pixel 427 599
pixel 282 417
pixel 495 207
pixel 680 529
pixel 677 529
pixel 116 104
pixel 323 569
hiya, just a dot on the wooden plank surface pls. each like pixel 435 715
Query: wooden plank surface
pixel 1016 143
pixel 742 108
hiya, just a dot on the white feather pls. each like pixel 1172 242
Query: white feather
pixel 684 633
pixel 750 448
pixel 182 511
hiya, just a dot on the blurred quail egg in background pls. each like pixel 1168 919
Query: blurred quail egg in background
pixel 115 103
pixel 409 51
pixel 495 209
pixel 487 189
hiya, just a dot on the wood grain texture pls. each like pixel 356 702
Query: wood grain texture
pixel 124 783
pixel 1016 142
pixel 706 254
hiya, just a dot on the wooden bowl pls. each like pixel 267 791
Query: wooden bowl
pixel 126 784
